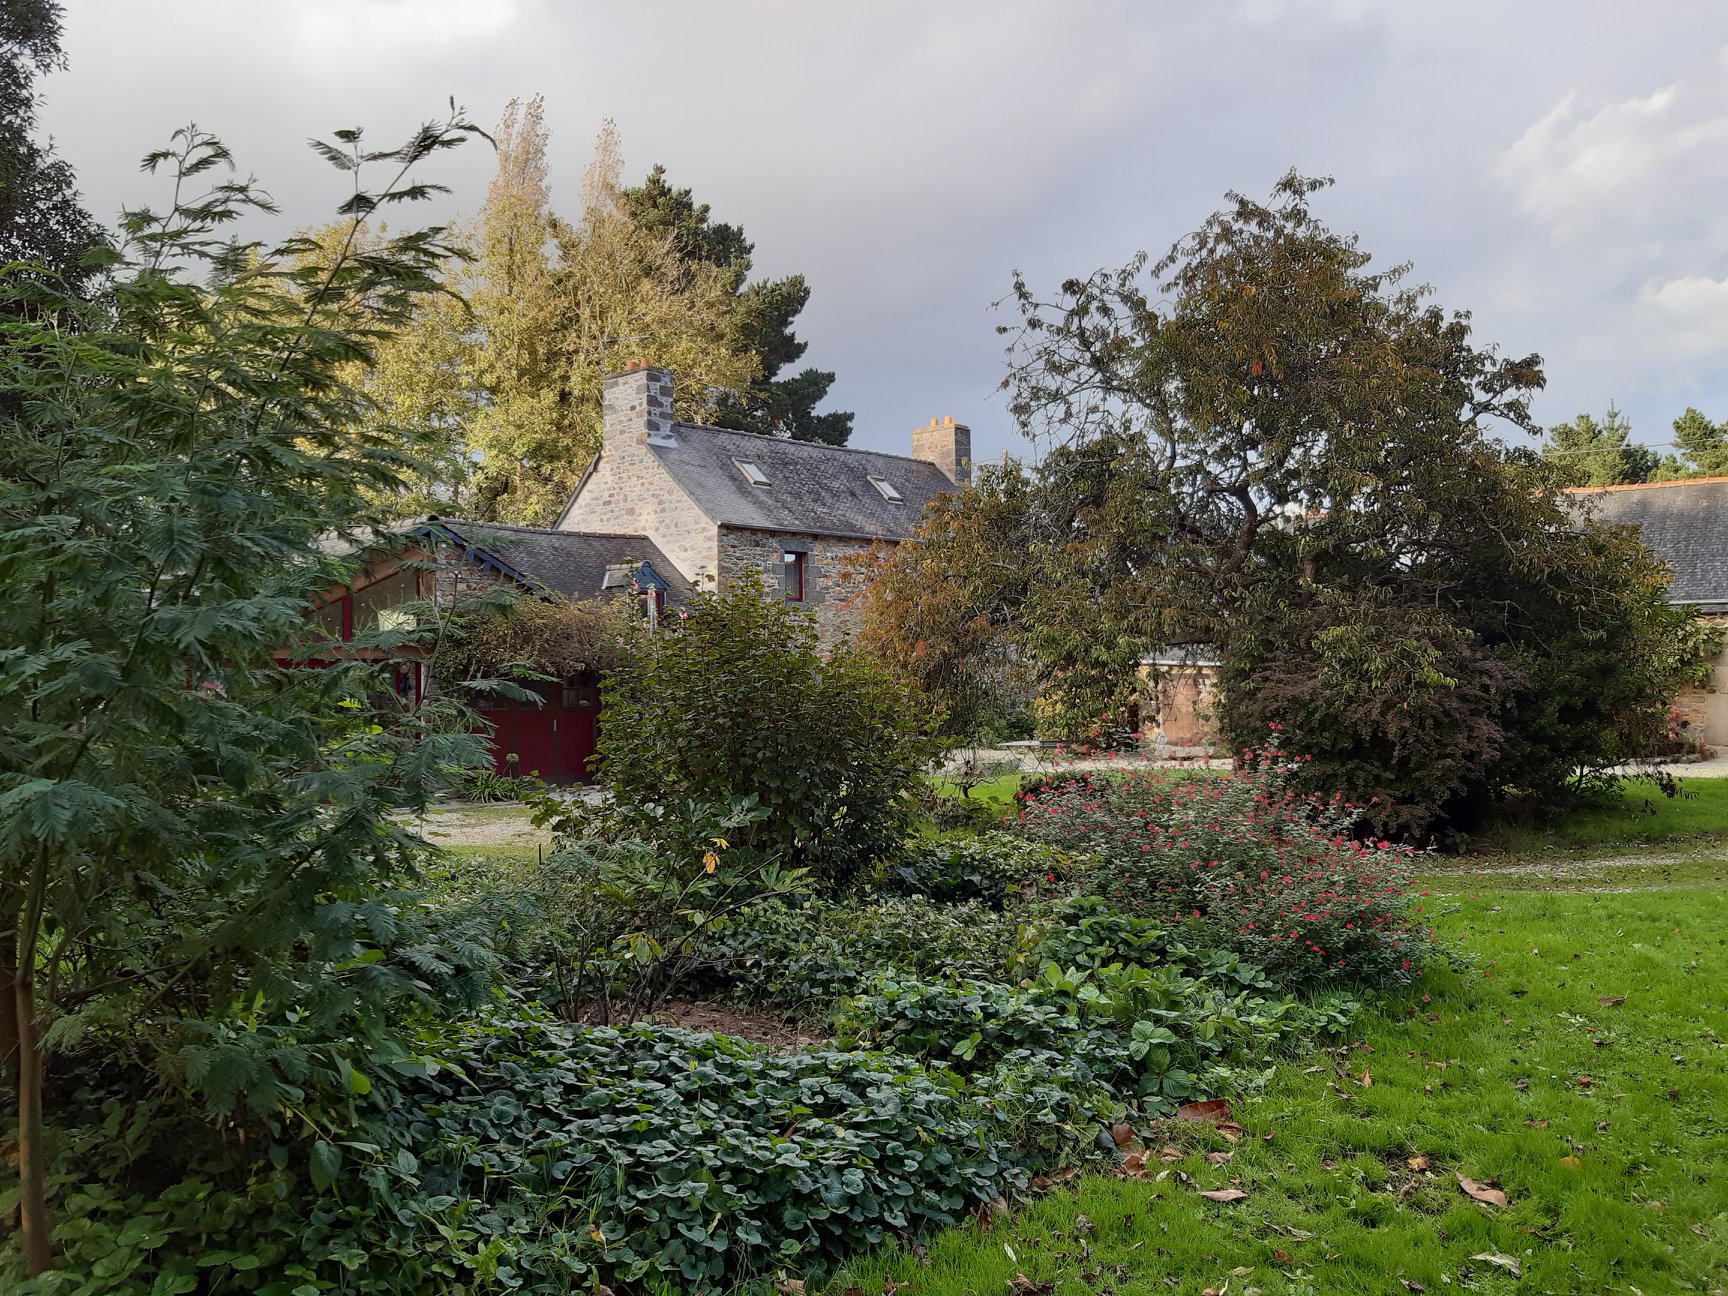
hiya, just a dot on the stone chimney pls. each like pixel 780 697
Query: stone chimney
pixel 636 408
pixel 948 445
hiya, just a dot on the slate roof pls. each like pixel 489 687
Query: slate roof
pixel 814 488
pixel 1684 523
pixel 571 563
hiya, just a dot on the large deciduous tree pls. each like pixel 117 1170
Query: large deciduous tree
pixel 557 304
pixel 1265 444
pixel 943 609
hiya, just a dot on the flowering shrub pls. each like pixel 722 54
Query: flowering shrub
pixel 1246 864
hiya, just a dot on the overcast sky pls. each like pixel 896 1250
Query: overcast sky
pixel 1558 167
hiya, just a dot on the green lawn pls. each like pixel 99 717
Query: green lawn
pixel 1604 1122
pixel 1634 813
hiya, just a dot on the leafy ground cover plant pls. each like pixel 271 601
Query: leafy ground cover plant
pixel 971 866
pixel 1248 865
pixel 806 954
pixel 522 1154
pixel 1154 1037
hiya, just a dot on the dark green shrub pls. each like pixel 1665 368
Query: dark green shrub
pixel 737 700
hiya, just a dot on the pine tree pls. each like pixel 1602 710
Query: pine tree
pixel 766 310
pixel 1703 448
pixel 1599 454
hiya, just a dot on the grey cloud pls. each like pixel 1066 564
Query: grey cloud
pixel 908 156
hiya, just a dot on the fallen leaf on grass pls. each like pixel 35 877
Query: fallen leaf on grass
pixel 1219 1158
pixel 1537 1124
pixel 1225 1195
pixel 1508 1263
pixel 1365 1080
pixel 1611 1001
pixel 1418 1162
pixel 1481 1192
pixel 1134 1165
pixel 1021 1285
pixel 790 1287
pixel 1123 1133
pixel 1571 1162
pixel 1241 1271
pixel 1412 1286
pixel 1169 1153
pixel 1213 1109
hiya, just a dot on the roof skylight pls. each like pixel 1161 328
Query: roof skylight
pixel 752 474
pixel 886 488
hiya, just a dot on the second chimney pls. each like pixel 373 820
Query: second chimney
pixel 948 445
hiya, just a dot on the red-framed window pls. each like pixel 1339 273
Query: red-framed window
pixel 792 575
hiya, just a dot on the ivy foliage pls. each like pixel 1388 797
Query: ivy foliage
pixel 527 639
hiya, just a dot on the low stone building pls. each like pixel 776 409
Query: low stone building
pixel 1685 524
pixel 717 502
pixel 1177 686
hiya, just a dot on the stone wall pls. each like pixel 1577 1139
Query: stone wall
pixel 1705 709
pixel 831 586
pixel 1177 704
pixel 627 492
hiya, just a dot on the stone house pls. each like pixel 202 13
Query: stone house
pixel 1685 524
pixel 717 502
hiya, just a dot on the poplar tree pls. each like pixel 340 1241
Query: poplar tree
pixel 559 304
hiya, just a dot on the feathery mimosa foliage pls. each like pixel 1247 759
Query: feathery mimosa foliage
pixel 198 874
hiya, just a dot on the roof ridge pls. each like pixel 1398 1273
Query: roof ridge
pixel 546 531
pixel 818 445
pixel 1643 485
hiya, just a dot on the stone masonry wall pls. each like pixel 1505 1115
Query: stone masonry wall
pixel 1706 709
pixel 830 597
pixel 628 492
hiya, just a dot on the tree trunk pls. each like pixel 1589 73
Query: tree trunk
pixel 8 1011
pixel 32 1170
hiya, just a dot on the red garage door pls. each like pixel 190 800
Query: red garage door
pixel 554 740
